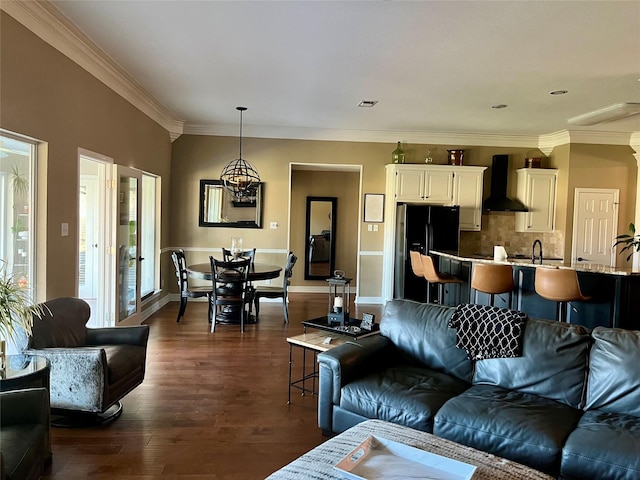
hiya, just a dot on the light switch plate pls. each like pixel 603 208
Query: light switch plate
pixel 273 225
pixel 64 229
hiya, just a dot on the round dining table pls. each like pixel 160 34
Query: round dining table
pixel 257 271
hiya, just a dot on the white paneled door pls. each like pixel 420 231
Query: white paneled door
pixel 595 225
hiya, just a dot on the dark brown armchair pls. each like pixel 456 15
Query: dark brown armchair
pixel 91 368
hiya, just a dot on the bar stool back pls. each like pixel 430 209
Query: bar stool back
pixel 492 279
pixel 416 264
pixel 433 276
pixel 559 285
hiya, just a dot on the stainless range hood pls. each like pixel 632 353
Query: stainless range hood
pixel 498 200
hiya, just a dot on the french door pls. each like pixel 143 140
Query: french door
pixel 94 237
pixel 127 245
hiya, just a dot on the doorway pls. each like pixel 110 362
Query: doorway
pixel 344 182
pixel 595 225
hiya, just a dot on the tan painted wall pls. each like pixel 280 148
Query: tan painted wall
pixel 46 96
pixel 196 157
pixel 602 166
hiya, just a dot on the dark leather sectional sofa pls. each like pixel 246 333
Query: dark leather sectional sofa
pixel 569 406
pixel 25 438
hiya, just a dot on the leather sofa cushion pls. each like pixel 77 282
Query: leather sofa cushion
pixel 604 445
pixel 421 333
pixel 406 395
pixel 62 325
pixel 614 373
pixel 23 450
pixel 522 427
pixel 122 360
pixel 553 363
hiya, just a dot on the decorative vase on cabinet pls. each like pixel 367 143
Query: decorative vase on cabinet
pixel 397 156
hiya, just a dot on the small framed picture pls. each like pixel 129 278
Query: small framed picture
pixel 374 207
pixel 368 321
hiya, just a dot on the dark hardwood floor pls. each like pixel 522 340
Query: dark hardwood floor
pixel 212 406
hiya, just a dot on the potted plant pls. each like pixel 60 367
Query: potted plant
pixel 19 182
pixel 630 242
pixel 17 310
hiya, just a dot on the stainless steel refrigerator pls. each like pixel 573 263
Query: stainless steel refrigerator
pixel 422 228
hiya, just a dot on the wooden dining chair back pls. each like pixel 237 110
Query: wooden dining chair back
pixel 227 255
pixel 186 292
pixel 229 290
pixel 266 291
pixel 433 276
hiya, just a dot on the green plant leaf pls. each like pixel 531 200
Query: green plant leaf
pixel 17 310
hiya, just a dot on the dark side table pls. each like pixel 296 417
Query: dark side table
pixel 325 337
pixel 24 371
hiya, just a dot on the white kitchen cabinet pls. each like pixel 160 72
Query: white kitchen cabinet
pixel 467 192
pixel 536 188
pixel 424 184
pixel 440 185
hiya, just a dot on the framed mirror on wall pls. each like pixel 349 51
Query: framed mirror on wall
pixel 320 245
pixel 218 208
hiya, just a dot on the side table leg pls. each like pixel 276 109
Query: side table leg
pixel 315 370
pixel 290 362
pixel 304 363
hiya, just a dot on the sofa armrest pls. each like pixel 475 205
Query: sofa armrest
pixel 26 406
pixel 77 378
pixel 30 405
pixel 137 335
pixel 343 364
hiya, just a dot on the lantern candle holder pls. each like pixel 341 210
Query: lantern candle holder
pixel 339 299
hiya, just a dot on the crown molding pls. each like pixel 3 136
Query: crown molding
pixel 635 143
pixel 47 22
pixel 373 136
pixel 549 141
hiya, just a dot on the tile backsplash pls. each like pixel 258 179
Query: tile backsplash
pixel 500 229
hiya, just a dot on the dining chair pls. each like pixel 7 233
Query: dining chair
pixel 229 290
pixel 186 292
pixel 266 291
pixel 227 256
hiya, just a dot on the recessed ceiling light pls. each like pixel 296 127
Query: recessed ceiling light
pixel 367 103
pixel 499 106
pixel 558 92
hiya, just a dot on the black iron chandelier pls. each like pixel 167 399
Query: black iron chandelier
pixel 238 176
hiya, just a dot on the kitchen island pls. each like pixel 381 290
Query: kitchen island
pixel 614 292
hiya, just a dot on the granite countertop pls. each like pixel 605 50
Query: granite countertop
pixel 525 261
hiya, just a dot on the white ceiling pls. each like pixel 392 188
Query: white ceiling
pixel 434 66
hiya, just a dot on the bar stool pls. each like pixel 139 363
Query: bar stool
pixel 433 276
pixel 559 285
pixel 492 279
pixel 416 264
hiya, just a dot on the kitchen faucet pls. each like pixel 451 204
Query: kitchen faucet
pixel 533 251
